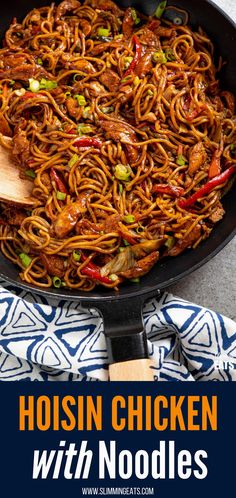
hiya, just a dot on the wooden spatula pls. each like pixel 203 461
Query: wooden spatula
pixel 13 189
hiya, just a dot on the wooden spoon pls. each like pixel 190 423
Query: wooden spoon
pixel 13 189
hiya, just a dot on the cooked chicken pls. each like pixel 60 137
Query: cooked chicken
pixel 197 158
pixel 69 216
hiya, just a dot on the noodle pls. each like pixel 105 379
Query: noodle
pixel 120 121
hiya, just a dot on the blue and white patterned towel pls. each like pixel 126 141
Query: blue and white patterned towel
pixel 41 340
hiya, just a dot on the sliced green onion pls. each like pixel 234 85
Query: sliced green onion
pixel 170 242
pixel 80 100
pixel 84 129
pixel 1 91
pixel 126 243
pixel 73 160
pixel 135 17
pixel 39 61
pixel 118 37
pixel 232 147
pixel 34 85
pixel 75 77
pixel 113 277
pixel 120 188
pixel 127 78
pixel 121 249
pixel 30 173
pixel 160 57
pixel 47 84
pixel 140 228
pixel 86 112
pixel 61 196
pixel 127 61
pixel 135 280
pixel 181 161
pixel 169 53
pixel 122 172
pixel 136 81
pixel 12 82
pixel 20 92
pixel 57 282
pixel 107 110
pixel 77 256
pixel 129 218
pixel 103 32
pixel 68 94
pixel 160 9
pixel 26 260
pixel 150 92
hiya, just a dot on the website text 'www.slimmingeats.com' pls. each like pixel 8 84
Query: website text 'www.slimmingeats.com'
pixel 118 491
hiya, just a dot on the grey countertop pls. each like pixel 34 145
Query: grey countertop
pixel 214 285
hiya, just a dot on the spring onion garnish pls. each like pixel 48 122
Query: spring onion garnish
pixel 160 57
pixel 136 81
pixel 135 280
pixel 127 78
pixel 61 196
pixel 73 160
pixel 77 256
pixel 30 173
pixel 68 94
pixel 129 218
pixel 113 277
pixel 47 84
pixel 160 9
pixel 103 32
pixel 169 53
pixel 122 172
pixel 80 99
pixel 84 129
pixel 120 188
pixel 135 16
pixel 180 160
pixel 57 282
pixel 34 85
pixel 20 92
pixel 140 228
pixel 127 62
pixel 25 259
pixel 39 61
pixel 232 147
pixel 150 92
pixel 170 242
pixel 107 110
pixel 118 37
pixel 126 243
pixel 121 249
pixel 12 82
pixel 86 112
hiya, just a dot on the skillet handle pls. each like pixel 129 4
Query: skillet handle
pixel 134 370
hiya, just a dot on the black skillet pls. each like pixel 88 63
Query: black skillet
pixel 122 311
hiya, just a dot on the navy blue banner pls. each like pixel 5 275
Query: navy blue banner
pixel 109 439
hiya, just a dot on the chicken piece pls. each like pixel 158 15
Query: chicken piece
pixel 110 80
pixel 96 89
pixel 125 260
pixel 99 49
pixel 24 72
pixel 121 132
pixel 186 241
pixel 66 6
pixel 72 107
pixel 105 5
pixel 145 65
pixel 230 101
pixel 46 180
pixel 218 214
pixel 69 216
pixel 141 267
pixel 54 265
pixel 197 158
pixel 85 27
pixel 128 23
pixel 4 126
pixel 15 216
pixel 82 65
pixel 10 60
pixel 21 146
pixel 126 94
pixel 166 32
pixel 150 39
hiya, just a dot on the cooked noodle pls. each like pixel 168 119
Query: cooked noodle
pixel 119 119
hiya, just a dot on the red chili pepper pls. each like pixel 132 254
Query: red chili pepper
pixel 136 59
pixel 169 189
pixel 87 142
pixel 30 95
pixel 93 271
pixel 59 183
pixel 208 187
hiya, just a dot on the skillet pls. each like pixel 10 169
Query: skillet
pixel 122 311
